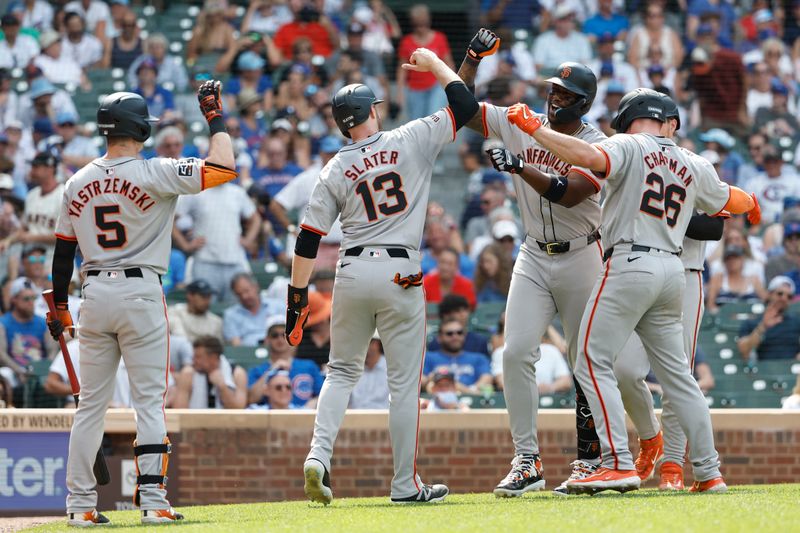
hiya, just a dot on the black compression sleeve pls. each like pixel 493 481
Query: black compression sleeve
pixel 63 264
pixel 705 228
pixel 462 102
pixel 557 189
pixel 307 244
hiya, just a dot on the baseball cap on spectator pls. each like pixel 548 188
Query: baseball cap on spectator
pixel 443 373
pixel 6 182
pixel 763 15
pixel 200 286
pixel 48 39
pixel 44 159
pixel 699 55
pixel 330 144
pixel 14 125
pixel 778 87
pixel 275 372
pixel 250 61
pixel 492 176
pixel 120 2
pixel 246 98
pixel 282 124
pixel 41 87
pixel 615 87
pixel 771 154
pixel 563 11
pixel 719 136
pixel 355 28
pixel 148 62
pixel 505 228
pixel 33 248
pixel 20 284
pixel 733 251
pixel 791 228
pixel 43 126
pixel 319 308
pixel 301 68
pixel 605 38
pixel 652 70
pixel 778 281
pixel 66 117
pixel 275 320
pixel 9 20
pixel 711 156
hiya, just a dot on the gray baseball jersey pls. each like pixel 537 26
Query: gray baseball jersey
pixel 121 210
pixel 541 219
pixel 694 254
pixel 379 187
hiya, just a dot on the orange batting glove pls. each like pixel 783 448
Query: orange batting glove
pixel 61 322
pixel 754 215
pixel 522 117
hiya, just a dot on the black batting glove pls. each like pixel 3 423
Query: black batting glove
pixel 296 314
pixel 210 98
pixel 485 43
pixel 505 161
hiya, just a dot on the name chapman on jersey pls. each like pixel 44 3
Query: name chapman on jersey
pixel 120 186
pixel 659 159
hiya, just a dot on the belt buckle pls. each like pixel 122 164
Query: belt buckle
pixel 551 248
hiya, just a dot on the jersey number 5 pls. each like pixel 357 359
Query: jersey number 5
pixel 393 191
pixel 670 198
pixel 113 232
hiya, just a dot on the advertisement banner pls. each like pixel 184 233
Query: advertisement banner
pixel 33 471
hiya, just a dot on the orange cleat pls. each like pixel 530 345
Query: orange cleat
pixel 161 516
pixel 712 485
pixel 88 519
pixel 650 451
pixel 671 477
pixel 605 479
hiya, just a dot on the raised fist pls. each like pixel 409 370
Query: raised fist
pixel 210 99
pixel 485 43
pixel 504 161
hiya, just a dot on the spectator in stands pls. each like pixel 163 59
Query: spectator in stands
pixel 305 376
pixel 226 225
pixel 756 143
pixel 418 93
pixel 252 124
pixel 278 391
pixel 308 23
pixel 79 150
pixel 16 50
pixel 654 31
pixel 772 186
pixel 158 98
pixel 611 68
pixel 562 43
pixel 793 401
pixel 23 335
pixel 446 279
pixel 82 48
pixel 553 375
pixel 96 14
pixel 515 61
pixel 444 392
pixel 606 22
pixel 43 101
pixel 786 263
pixel 123 50
pixel 9 100
pixel 211 382
pixel 773 54
pixel 169 143
pixel 777 120
pixel 471 369
pixel 512 14
pixel 57 66
pixel 316 343
pixel 371 62
pixel 440 234
pixel 492 197
pixel 614 92
pixel 506 236
pixel 170 67
pixel 350 70
pixel 492 275
pixel 243 323
pixel 6 392
pixel 212 33
pixel 35 14
pixel 701 372
pixel 265 16
pixel 273 169
pixel 193 318
pixel 455 307
pixel 372 388
pixel 251 77
pixel 760 92
pixel 730 161
pixel 732 285
pixel 776 334
pixel 381 27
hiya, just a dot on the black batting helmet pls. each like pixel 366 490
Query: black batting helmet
pixel 351 106
pixel 639 103
pixel 124 115
pixel 578 79
pixel 671 109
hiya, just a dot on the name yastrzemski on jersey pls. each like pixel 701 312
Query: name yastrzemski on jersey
pixel 110 185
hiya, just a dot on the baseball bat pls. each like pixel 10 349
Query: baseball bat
pixel 100 467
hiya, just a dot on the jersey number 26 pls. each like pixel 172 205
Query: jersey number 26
pixel 392 184
pixel 659 202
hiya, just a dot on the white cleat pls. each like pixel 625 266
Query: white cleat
pixel 318 482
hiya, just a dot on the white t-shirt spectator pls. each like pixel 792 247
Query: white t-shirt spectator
pixel 550 366
pixel 40 17
pixel 279 15
pixel 86 52
pixel 98 11
pixel 372 389
pixel 523 68
pixel 61 70
pixel 550 50
pixel 81 146
pixel 772 191
pixel 201 395
pixel 624 74
pixel 61 102
pixel 24 50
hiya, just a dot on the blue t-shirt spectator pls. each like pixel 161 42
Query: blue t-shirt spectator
pixel 517 14
pixel 238 322
pixel 272 181
pixel 599 25
pixel 468 367
pixel 234 85
pixel 160 101
pixel 726 11
pixel 176 271
pixel 25 340
pixel 781 341
pixel 465 266
pixel 305 377
pixel 474 342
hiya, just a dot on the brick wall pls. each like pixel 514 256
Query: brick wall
pixel 225 459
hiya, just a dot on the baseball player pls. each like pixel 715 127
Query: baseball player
pixel 652 189
pixel 119 210
pixel 556 266
pixel 378 187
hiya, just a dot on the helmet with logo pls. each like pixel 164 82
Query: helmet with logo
pixel 351 106
pixel 577 79
pixel 124 115
pixel 639 103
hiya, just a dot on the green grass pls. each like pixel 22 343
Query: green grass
pixel 755 509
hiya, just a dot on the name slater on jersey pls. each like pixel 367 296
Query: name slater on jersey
pixel 384 157
pixel 659 159
pixel 123 187
pixel 536 156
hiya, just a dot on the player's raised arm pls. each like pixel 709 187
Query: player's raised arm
pixel 220 161
pixel 483 44
pixel 462 102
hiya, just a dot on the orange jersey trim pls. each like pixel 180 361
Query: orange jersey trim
pixel 593 181
pixel 452 120
pixel 213 175
pixel 608 163
pixel 66 237
pixel 483 122
pixel 312 229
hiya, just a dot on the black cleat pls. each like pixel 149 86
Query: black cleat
pixel 525 476
pixel 428 494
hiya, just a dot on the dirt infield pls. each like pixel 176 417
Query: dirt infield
pixel 19 523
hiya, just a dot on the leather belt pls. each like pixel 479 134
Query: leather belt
pixel 636 248
pixel 393 252
pixel 560 247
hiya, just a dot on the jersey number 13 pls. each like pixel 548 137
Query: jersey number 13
pixel 392 184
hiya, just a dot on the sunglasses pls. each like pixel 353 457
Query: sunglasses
pixel 37 259
pixel 784 294
pixel 28 298
pixel 276 335
pixel 506 239
pixel 755 147
pixel 453 333
pixel 283 387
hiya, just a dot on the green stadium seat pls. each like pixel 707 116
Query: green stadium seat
pixel 486 316
pixel 266 271
pixel 246 356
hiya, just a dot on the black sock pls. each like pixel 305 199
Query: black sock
pixel 588 441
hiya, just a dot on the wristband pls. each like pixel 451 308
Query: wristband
pixel 217 125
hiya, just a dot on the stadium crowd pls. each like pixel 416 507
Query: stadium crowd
pixel 734 68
